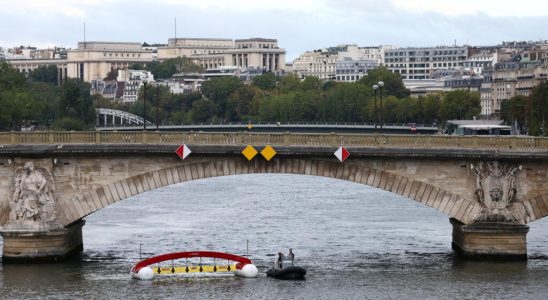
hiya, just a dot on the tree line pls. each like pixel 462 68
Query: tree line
pixel 289 99
pixel 37 100
pixel 529 113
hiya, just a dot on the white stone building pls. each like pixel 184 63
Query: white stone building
pixel 90 61
pixel 216 53
pixel 421 63
pixel 342 63
pixel 133 81
pixel 319 63
pixel 477 63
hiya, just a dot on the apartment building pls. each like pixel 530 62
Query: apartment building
pixel 421 63
pixel 342 63
pixel 507 80
pixel 318 63
pixel 133 81
pixel 352 70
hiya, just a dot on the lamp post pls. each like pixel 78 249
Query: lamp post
pixel 381 84
pixel 145 81
pixel 157 106
pixel 376 114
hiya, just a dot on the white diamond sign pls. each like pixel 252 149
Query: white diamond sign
pixel 342 154
pixel 183 151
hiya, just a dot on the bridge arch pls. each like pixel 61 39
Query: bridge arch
pixel 444 201
pixel 536 207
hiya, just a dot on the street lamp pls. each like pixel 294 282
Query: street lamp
pixel 381 84
pixel 145 81
pixel 376 114
pixel 157 105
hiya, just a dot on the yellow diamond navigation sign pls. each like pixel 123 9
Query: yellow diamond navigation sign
pixel 268 152
pixel 249 126
pixel 249 152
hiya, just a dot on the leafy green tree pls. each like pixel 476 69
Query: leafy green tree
pixel 515 110
pixel 265 81
pixel 311 83
pixel 389 110
pixel 539 110
pixel 329 84
pixel 239 103
pixel 46 74
pixel 219 89
pixel 347 102
pixel 137 66
pixel 278 108
pixel 393 85
pixel 460 105
pixel 47 97
pixel 18 107
pixel 202 111
pixel 289 83
pixel 76 103
pixel 430 109
pixel 305 104
pixel 10 78
pixel 166 69
pixel 111 75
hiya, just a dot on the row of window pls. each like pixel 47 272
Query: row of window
pixel 264 46
pixel 121 54
pixel 425 59
pixel 349 78
pixel 207 51
pixel 351 71
pixel 423 53
pixel 434 65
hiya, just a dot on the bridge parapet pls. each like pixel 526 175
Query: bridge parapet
pixel 280 139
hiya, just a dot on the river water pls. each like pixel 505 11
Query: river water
pixel 355 241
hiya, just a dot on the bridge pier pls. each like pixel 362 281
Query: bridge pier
pixel 26 246
pixel 484 241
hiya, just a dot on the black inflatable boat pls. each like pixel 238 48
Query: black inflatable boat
pixel 287 273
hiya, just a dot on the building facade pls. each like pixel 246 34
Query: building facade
pixel 94 60
pixel 217 53
pixel 90 61
pixel 256 53
pixel 421 63
pixel 352 70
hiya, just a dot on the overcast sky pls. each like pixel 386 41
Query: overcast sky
pixel 299 25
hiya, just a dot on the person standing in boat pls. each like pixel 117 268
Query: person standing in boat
pixel 291 256
pixel 279 261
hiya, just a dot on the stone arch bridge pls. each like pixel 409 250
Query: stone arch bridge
pixel 489 187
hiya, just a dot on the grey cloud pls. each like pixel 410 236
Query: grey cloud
pixel 346 21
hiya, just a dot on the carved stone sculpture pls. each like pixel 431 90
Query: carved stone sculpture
pixel 32 201
pixel 495 190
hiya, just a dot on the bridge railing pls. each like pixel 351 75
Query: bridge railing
pixel 280 139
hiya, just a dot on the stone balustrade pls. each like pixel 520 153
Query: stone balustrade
pixel 280 139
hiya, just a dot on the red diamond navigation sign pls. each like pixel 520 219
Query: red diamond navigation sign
pixel 183 151
pixel 342 154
